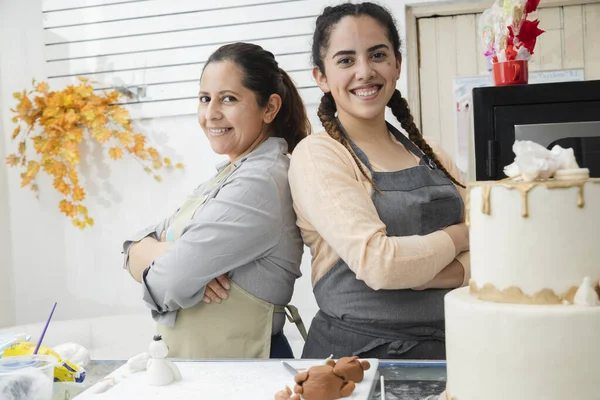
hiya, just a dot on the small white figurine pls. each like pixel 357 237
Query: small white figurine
pixel 161 371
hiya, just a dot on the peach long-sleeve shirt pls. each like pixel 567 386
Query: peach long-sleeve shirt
pixel 338 219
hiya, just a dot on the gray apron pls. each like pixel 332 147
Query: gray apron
pixel 356 320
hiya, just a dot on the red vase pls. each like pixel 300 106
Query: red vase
pixel 513 72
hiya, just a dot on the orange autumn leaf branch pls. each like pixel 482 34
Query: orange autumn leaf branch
pixel 67 118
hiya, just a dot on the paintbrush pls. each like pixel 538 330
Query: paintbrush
pixel 44 331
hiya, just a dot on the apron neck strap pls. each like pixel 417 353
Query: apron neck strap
pixel 359 153
pixel 406 142
pixel 410 146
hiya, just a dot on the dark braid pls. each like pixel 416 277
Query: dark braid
pixel 401 111
pixel 326 113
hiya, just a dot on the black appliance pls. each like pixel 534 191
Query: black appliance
pixel 567 114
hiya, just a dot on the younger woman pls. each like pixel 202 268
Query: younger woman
pixel 381 212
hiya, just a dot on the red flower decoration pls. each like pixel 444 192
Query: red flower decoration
pixel 531 6
pixel 511 53
pixel 511 36
pixel 528 34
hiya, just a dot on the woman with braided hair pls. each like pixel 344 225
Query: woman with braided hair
pixel 382 213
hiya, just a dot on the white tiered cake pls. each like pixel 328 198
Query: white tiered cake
pixel 528 326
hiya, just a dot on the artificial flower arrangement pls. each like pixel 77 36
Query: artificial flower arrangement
pixel 506 32
pixel 67 118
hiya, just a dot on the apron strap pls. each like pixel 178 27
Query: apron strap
pixel 359 153
pixel 292 314
pixel 406 142
pixel 410 146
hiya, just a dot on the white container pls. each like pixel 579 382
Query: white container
pixel 27 377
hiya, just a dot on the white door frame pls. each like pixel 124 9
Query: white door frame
pixel 413 13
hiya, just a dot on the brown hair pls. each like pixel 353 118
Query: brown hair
pixel 263 76
pixel 398 104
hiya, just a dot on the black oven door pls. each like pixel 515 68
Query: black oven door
pixel 581 134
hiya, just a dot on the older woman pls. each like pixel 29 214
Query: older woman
pixel 238 227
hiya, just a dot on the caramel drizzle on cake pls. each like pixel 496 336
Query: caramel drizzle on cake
pixel 524 188
pixel 515 295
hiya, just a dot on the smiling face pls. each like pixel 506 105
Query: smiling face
pixel 229 113
pixel 361 68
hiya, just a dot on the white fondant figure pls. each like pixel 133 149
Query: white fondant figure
pixel 138 362
pixel 586 294
pixel 160 370
pixel 535 162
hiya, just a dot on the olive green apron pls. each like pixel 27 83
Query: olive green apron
pixel 238 327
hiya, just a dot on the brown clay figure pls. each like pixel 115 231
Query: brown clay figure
pixel 321 383
pixel 330 362
pixel 351 369
pixel 286 394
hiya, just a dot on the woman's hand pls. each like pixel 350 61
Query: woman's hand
pixel 216 290
pixel 286 394
pixel 449 278
pixel 459 234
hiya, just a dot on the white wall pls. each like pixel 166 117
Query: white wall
pixel 7 307
pixel 49 259
pixel 14 56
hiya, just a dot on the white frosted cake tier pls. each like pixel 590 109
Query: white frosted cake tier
pixel 533 242
pixel 498 351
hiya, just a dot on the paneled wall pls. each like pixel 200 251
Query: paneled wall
pixel 156 49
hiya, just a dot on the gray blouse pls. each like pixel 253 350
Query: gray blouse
pixel 246 228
